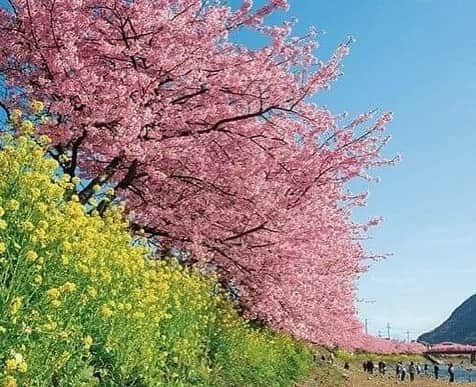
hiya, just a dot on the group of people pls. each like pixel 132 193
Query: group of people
pixel 401 371
pixel 411 370
pixel 369 367
pixel 451 371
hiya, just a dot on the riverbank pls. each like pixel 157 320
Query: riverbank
pixel 359 379
pixel 325 374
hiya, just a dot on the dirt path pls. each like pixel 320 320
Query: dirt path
pixel 335 376
pixel 359 379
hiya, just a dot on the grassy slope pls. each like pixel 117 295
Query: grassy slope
pixel 325 375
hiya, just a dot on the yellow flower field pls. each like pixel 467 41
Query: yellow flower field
pixel 82 303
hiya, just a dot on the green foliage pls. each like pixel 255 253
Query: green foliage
pixel 81 303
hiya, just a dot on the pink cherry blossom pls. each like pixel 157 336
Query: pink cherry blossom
pixel 217 148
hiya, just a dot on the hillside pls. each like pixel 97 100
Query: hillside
pixel 460 327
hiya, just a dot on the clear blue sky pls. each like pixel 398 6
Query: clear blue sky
pixel 416 58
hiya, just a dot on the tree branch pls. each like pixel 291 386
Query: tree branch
pixel 74 156
pixel 108 172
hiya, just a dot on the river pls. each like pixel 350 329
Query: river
pixel 462 374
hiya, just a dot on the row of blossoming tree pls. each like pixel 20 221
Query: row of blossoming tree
pixel 219 150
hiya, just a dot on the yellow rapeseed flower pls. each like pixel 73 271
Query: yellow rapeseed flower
pixel 10 381
pixel 51 164
pixel 27 128
pixel 42 207
pixel 87 342
pixel 138 315
pixel 13 205
pixel 44 140
pixel 15 115
pixel 69 287
pixel 53 293
pixel 56 303
pixel 3 247
pixel 63 335
pixel 92 291
pixel 37 279
pixel 37 107
pixel 28 226
pixel 22 367
pixel 105 311
pixel 50 326
pixel 3 224
pixel 43 224
pixel 35 192
pixel 15 305
pixel 31 255
pixel 63 159
pixel 10 365
pixel 62 359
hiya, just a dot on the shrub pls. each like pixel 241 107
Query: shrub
pixel 82 303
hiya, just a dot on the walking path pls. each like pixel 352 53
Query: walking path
pixel 359 379
pixel 326 374
pixel 335 376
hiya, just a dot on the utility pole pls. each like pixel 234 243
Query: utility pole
pixel 408 335
pixel 366 326
pixel 388 331
pixel 379 333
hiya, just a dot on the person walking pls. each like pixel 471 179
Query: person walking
pixel 403 374
pixel 370 367
pixel 364 366
pixel 451 373
pixel 436 370
pixel 398 370
pixel 412 371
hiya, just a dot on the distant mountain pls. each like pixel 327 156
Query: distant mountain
pixel 460 327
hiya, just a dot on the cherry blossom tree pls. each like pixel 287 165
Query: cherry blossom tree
pixel 218 149
pixel 380 345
